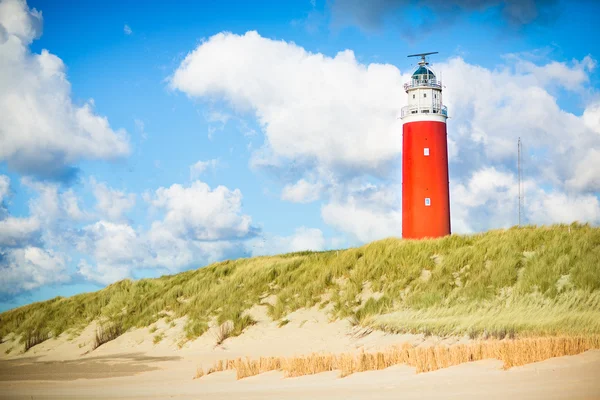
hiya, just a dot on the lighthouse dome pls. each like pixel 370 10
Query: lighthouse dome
pixel 423 72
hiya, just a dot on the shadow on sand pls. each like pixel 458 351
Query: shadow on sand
pixel 85 368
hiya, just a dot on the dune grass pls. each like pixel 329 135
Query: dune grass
pixel 158 338
pixel 223 332
pixel 106 332
pixel 512 282
pixel 35 337
pixel 511 352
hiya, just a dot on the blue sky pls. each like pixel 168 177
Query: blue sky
pixel 288 110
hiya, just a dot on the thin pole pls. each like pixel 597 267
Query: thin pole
pixel 519 175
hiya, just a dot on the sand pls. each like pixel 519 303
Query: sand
pixel 134 367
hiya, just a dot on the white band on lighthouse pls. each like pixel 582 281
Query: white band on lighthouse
pixel 424 117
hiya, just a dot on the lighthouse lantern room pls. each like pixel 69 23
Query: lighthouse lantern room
pixel 425 189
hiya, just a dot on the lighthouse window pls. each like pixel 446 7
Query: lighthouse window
pixel 424 94
pixel 427 201
pixel 426 151
pixel 413 96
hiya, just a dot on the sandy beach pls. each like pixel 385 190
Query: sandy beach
pixel 134 367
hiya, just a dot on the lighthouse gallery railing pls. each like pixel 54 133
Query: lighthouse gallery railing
pixel 435 109
pixel 414 83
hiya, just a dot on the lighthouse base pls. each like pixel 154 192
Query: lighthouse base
pixel 425 190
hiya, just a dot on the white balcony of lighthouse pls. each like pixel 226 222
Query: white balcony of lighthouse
pixel 420 109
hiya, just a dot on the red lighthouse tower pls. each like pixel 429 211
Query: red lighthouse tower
pixel 425 190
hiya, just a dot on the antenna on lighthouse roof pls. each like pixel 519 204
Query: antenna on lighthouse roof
pixel 423 55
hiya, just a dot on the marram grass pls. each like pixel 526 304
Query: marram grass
pixel 517 282
pixel 511 352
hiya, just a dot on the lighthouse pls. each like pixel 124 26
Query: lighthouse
pixel 425 189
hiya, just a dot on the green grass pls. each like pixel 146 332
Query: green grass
pixel 158 338
pixel 518 281
pixel 283 322
pixel 109 330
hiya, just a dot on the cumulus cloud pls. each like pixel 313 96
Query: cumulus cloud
pixel 4 192
pixel 366 213
pixel 189 226
pixel 111 203
pixel 115 248
pixel 489 198
pixel 28 268
pixel 24 264
pixel 302 191
pixel 313 109
pixel 302 239
pixel 495 107
pixel 15 232
pixel 201 213
pixel 198 225
pixel 570 77
pixel 200 167
pixel 18 20
pixel 4 187
pixel 52 204
pixel 41 131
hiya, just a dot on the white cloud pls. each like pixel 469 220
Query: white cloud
pixel 52 204
pixel 18 20
pixel 587 173
pixel 28 268
pixel 16 232
pixel 4 188
pixel 334 111
pixel 218 116
pixel 556 73
pixel 44 133
pixel 367 213
pixel 200 167
pixel 127 30
pixel 201 213
pixel 302 239
pixel 24 266
pixel 70 204
pixel 111 203
pixel 557 207
pixel 302 192
pixel 489 198
pixel 491 108
pixel 199 225
pixel 115 248
pixel 591 117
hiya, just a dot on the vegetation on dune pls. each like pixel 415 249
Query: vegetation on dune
pixel 512 353
pixel 106 332
pixel 513 282
pixel 34 337
pixel 158 338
